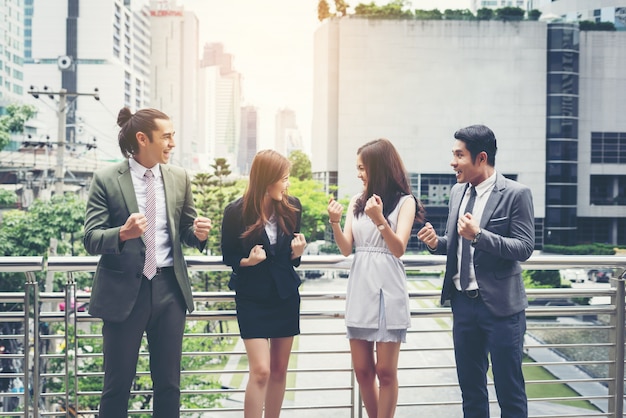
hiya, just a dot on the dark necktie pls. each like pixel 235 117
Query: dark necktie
pixel 465 245
pixel 149 236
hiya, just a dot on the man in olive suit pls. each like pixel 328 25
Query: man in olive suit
pixel 139 213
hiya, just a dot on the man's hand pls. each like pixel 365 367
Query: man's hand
pixel 134 226
pixel 201 228
pixel 428 236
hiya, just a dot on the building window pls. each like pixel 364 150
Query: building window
pixel 608 147
pixel 607 190
pixel 562 150
pixel 562 128
pixel 563 105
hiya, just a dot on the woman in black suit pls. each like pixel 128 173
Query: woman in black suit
pixel 262 244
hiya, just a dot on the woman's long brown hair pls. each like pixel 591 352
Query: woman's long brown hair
pixel 386 177
pixel 268 167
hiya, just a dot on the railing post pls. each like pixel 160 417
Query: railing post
pixel 31 286
pixel 619 346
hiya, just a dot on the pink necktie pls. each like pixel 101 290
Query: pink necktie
pixel 149 236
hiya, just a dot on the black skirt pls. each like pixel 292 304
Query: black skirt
pixel 268 318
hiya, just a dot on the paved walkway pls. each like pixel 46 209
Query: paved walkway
pixel 338 358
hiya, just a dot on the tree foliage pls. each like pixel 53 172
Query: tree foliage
pixel 341 7
pixel 534 14
pixel 434 14
pixel 28 233
pixel 395 9
pixel 484 14
pixel 588 25
pixel 510 14
pixel 323 10
pixel 458 14
pixel 13 121
pixel 300 165
pixel 314 202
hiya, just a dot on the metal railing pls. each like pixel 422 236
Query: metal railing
pixel 321 349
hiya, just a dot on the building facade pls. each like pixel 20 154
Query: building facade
pixel 549 92
pixel 94 49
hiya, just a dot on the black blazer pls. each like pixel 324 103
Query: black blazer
pixel 256 282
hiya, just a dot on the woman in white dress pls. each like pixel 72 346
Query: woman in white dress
pixel 378 225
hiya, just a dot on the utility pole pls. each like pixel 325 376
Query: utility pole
pixel 61 116
pixel 60 170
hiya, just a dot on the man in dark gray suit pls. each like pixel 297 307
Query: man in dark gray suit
pixel 490 230
pixel 139 214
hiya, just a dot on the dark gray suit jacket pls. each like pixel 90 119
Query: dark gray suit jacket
pixel 119 273
pixel 508 238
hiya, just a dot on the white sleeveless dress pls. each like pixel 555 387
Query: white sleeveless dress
pixel 377 300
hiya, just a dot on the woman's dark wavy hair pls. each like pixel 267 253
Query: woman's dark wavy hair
pixel 386 177
pixel 268 167
pixel 142 121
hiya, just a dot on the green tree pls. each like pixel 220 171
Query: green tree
pixel 585 25
pixel 13 121
pixel 314 202
pixel 300 165
pixel 458 14
pixel 28 233
pixel 484 14
pixel 341 7
pixel 7 198
pixel 221 170
pixel 434 14
pixel 211 196
pixel 323 10
pixel 508 14
pixel 534 14
pixel 395 9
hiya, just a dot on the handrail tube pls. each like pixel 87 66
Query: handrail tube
pixel 21 264
pixel 215 263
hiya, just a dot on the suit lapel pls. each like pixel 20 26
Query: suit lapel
pixel 169 188
pixel 492 203
pixel 126 187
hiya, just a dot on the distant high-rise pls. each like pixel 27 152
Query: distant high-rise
pixel 288 137
pixel 12 55
pixel 220 107
pixel 174 74
pixel 81 45
pixel 249 138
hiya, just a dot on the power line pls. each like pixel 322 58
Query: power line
pixel 61 111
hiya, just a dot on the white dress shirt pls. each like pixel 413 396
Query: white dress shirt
pixel 483 191
pixel 164 254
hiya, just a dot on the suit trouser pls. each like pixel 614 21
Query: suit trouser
pixel 160 312
pixel 477 335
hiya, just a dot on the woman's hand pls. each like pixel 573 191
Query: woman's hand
pixel 257 255
pixel 335 210
pixel 297 245
pixel 374 209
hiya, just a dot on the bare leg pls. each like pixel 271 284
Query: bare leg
pixel 365 370
pixel 280 349
pixel 387 371
pixel 258 352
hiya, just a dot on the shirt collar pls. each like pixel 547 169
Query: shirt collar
pixel 139 169
pixel 486 185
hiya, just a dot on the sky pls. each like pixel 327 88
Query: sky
pixel 272 45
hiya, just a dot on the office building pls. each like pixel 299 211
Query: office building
pixel 550 92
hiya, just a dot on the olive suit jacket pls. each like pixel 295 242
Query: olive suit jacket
pixel 507 239
pixel 119 272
